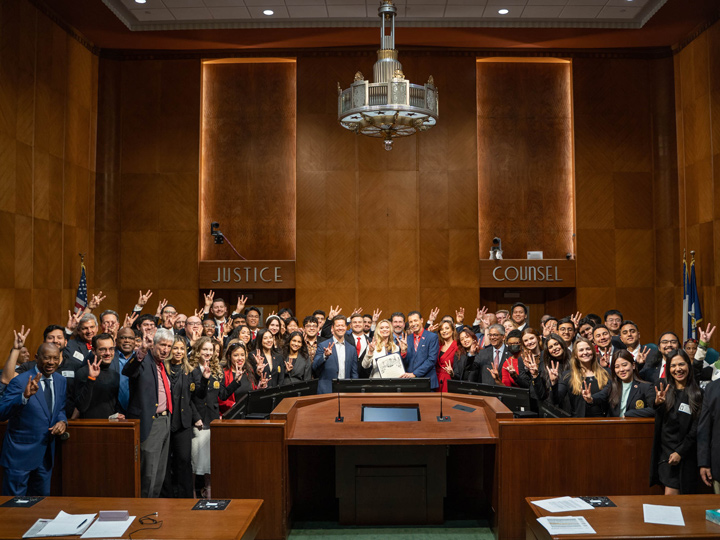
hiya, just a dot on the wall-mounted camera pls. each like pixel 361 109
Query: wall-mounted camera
pixel 217 235
pixel 496 253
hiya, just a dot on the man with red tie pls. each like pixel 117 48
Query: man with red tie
pixel 357 337
pixel 151 402
pixel 252 316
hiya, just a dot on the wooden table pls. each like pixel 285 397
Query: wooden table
pixel 625 521
pixel 238 521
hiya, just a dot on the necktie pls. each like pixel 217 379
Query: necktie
pixel 416 340
pixel 48 395
pixel 166 384
pixel 497 358
pixel 357 347
pixel 662 372
pixel 254 334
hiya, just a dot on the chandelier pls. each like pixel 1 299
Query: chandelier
pixel 390 107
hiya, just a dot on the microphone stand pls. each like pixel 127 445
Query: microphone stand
pixel 442 418
pixel 339 418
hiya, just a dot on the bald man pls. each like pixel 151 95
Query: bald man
pixel 34 405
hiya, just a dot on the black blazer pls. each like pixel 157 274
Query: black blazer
pixel 563 396
pixel 301 371
pixel 483 360
pixel 278 373
pixel 143 392
pixel 184 414
pixel 708 431
pixel 76 349
pixel 98 398
pixel 207 392
pixel 463 368
pixel 539 386
pixel 640 403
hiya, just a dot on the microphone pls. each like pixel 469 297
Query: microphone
pixel 442 418
pixel 339 418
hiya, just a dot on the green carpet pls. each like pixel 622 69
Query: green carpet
pixel 454 530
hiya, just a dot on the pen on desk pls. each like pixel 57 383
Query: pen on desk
pixel 83 523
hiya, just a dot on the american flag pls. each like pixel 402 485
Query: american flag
pixel 81 295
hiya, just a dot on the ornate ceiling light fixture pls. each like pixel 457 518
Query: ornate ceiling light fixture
pixel 390 107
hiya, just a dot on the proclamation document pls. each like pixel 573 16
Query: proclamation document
pixel 390 366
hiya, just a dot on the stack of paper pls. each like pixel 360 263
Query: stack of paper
pixel 566 525
pixel 663 515
pixel 63 525
pixel 563 504
pixel 108 529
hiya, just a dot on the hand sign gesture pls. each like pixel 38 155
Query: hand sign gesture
pixel 74 319
pixel 130 319
pixel 376 315
pixel 161 306
pixel 402 340
pixel 434 327
pixel 586 395
pixel 460 315
pixel 206 371
pixel 576 319
pixel 264 380
pixel 209 297
pixel 143 298
pixel 260 361
pixel 530 363
pixel 94 368
pixel 328 350
pixel 707 334
pixel 661 393
pixel 199 313
pixel 474 348
pixel 371 347
pixel 357 311
pixel 480 316
pixel 433 315
pixel 448 369
pixel 95 301
pixel 495 375
pixel 172 318
pixel 553 371
pixel 288 365
pixel 334 311
pixel 642 355
pixel 242 300
pixel 32 386
pixel 20 338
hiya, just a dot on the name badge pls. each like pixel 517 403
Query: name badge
pixel 68 374
pixel 684 407
pixel 78 355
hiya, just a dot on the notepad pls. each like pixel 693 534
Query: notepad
pixel 108 529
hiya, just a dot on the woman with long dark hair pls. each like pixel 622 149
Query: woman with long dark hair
pixel 677 411
pixel 237 369
pixel 627 394
pixel 467 348
pixel 267 360
pixel 446 354
pixel 298 366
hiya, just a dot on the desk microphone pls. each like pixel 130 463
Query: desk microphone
pixel 442 418
pixel 339 417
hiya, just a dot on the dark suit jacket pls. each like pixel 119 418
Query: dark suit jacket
pixel 143 392
pixel 301 371
pixel 484 360
pixel 640 403
pixel 351 338
pixel 327 369
pixel 76 349
pixel 421 362
pixel 67 369
pixel 27 438
pixel 708 431
pixel 184 413
pixel 207 394
pixel 462 368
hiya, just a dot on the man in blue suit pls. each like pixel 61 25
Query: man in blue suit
pixel 335 358
pixel 422 351
pixel 34 405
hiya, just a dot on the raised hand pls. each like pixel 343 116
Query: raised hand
pixel 448 369
pixel 95 301
pixel 199 313
pixel 242 300
pixel 433 315
pixel 32 386
pixel 143 298
pixel 260 361
pixel 209 298
pixel 195 334
pixel 161 306
pixel 328 350
pixel 334 312
pixel 707 334
pixel 371 347
pixel 130 319
pixel 20 338
pixel 402 341
pixel 94 368
pixel 357 311
pixel 460 315
pixel 510 369
pixel 264 380
pixel 553 371
pixel 642 355
pixel 74 319
pixel 530 363
pixel 480 316
pixel 376 315
pixel 474 348
pixel 495 375
pixel 576 319
pixel 661 393
pixel 434 327
pixel 288 365
pixel 586 395
pixel 206 371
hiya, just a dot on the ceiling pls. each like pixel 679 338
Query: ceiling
pixel 189 14
pixel 672 23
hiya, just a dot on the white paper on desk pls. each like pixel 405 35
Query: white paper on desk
pixel 566 525
pixel 67 524
pixel 663 515
pixel 36 529
pixel 108 529
pixel 563 504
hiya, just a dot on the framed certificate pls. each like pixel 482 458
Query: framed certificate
pixel 390 366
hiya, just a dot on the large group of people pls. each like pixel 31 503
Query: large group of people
pixel 177 373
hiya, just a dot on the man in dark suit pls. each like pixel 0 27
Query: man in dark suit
pixel 605 346
pixel 335 358
pixel 643 354
pixel 80 347
pixel 708 437
pixel 422 351
pixel 655 370
pixel 357 337
pixel 34 405
pixel 493 356
pixel 151 402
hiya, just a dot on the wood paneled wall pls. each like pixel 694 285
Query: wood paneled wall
pixel 697 97
pixel 624 185
pixel 525 160
pixel 394 230
pixel 148 170
pixel 247 179
pixel 48 93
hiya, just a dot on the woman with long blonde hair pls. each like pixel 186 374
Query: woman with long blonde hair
pixel 585 373
pixel 381 345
